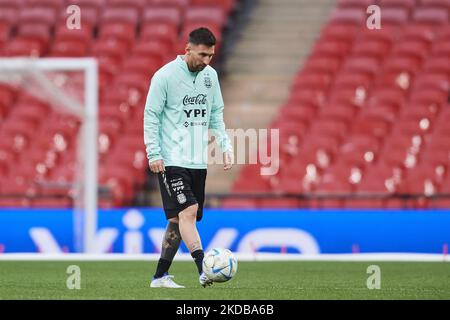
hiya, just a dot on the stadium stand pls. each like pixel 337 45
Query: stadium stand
pixel 131 39
pixel 366 122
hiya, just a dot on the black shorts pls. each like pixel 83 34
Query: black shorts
pixel 181 188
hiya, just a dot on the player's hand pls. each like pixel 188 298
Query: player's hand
pixel 157 166
pixel 228 160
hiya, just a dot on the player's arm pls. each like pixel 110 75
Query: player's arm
pixel 217 125
pixel 154 105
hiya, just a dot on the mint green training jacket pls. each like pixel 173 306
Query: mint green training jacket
pixel 181 106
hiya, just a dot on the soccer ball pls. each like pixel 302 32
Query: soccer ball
pixel 219 265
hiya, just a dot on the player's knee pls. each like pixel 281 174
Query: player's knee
pixel 174 220
pixel 189 213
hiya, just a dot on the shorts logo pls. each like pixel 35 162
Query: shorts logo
pixel 177 184
pixel 181 198
pixel 208 83
pixel 165 183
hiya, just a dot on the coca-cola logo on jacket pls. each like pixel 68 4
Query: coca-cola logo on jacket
pixel 199 99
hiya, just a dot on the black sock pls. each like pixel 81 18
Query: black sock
pixel 198 258
pixel 163 267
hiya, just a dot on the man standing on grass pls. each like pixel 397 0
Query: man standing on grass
pixel 183 102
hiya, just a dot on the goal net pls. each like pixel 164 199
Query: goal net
pixel 69 87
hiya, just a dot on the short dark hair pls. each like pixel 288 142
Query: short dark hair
pixel 202 36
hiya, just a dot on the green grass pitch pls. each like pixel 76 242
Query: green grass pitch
pixel 254 280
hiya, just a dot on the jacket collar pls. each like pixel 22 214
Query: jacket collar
pixel 184 66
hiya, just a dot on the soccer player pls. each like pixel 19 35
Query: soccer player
pixel 183 102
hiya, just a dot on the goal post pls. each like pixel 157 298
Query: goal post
pixel 20 72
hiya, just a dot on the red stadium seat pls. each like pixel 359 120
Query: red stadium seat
pixel 319 150
pixel 407 4
pixel 113 112
pixel 250 180
pixel 29 111
pixel 321 64
pixel 179 4
pixel 206 14
pixel 332 190
pixel 371 49
pixel 430 15
pixel 97 4
pixel 361 4
pixel 51 202
pixel 442 202
pixel 38 15
pixel 372 191
pixel 159 31
pixel 5 29
pixel 298 114
pixel 153 49
pixel 383 111
pixel 24 47
pixel 394 16
pixel 435 3
pixel 119 15
pixel 145 65
pixel 82 34
pixel 297 177
pixel 112 48
pixel 312 81
pixel 348 15
pixel 212 25
pixel 434 80
pixel 402 64
pixel 429 95
pixel 415 48
pixel 69 48
pixel 418 182
pixel 340 111
pixel 342 32
pixel 280 203
pixel 8 18
pixel 15 202
pixel 417 31
pixel 90 16
pixel 167 15
pixel 376 127
pixel 392 96
pixel 351 96
pixel 136 83
pixel 352 79
pixel 441 48
pixel 329 127
pixel 122 31
pixel 413 126
pixel 437 64
pixel 135 4
pixel 420 111
pixel 359 150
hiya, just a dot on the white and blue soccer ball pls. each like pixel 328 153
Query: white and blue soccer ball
pixel 220 265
